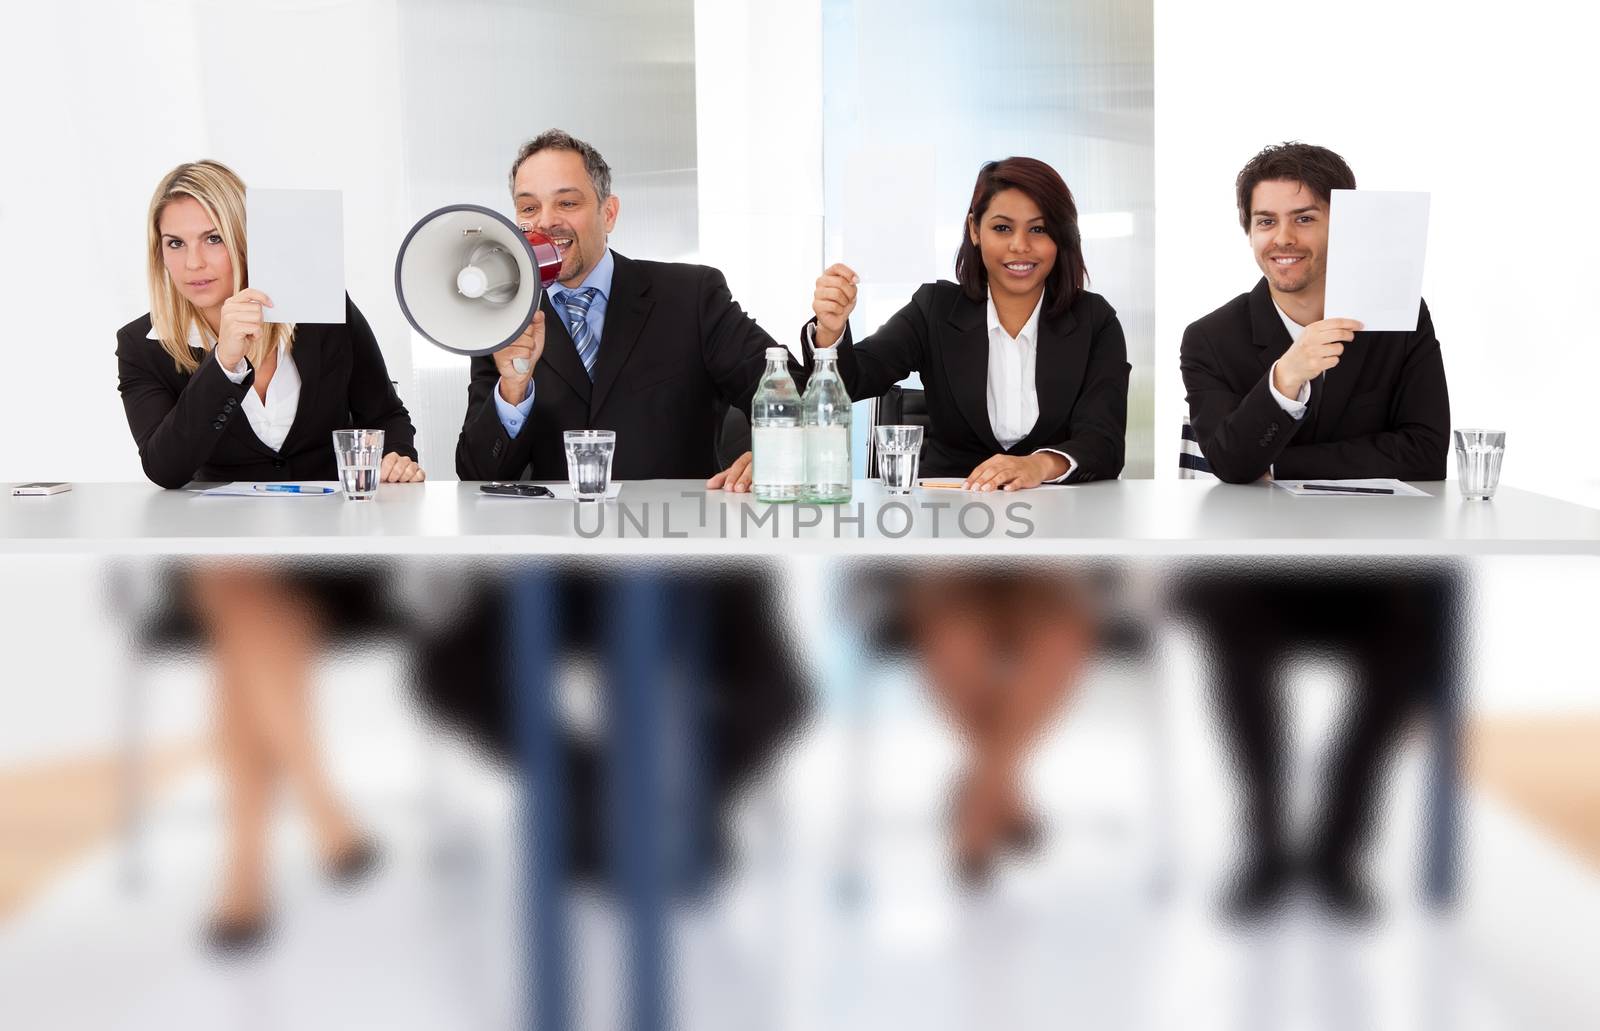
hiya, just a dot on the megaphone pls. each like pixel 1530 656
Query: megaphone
pixel 470 281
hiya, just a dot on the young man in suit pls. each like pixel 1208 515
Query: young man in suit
pixel 656 351
pixel 1277 388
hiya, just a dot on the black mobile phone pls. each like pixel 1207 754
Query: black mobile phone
pixel 516 490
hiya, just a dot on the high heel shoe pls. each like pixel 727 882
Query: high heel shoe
pixel 232 937
pixel 355 864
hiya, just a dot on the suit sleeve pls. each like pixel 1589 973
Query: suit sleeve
pixel 485 451
pixel 1418 445
pixel 734 346
pixel 176 430
pixel 899 347
pixel 1240 435
pixel 374 404
pixel 1097 428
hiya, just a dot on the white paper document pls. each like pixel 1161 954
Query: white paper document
pixel 297 253
pixel 563 491
pixel 1377 241
pixel 888 232
pixel 1351 489
pixel 298 489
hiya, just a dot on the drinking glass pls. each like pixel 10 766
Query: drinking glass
pixel 359 455
pixel 589 462
pixel 1478 455
pixel 899 448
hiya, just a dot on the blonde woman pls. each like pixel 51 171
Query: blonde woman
pixel 213 392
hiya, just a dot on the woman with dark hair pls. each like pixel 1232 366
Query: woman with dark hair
pixel 1024 371
pixel 1026 379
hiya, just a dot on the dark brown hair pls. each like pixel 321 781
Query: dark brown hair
pixel 1045 187
pixel 1320 169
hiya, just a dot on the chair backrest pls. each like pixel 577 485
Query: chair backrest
pixel 1192 463
pixel 899 406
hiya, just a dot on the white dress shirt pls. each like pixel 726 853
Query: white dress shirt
pixel 1013 389
pixel 269 419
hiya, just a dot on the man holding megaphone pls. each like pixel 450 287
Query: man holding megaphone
pixel 656 351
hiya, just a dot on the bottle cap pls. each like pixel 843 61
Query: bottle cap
pixel 825 354
pixel 777 354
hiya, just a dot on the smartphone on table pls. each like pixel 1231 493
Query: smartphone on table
pixel 505 489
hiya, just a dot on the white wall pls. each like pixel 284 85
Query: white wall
pixel 101 99
pixel 1488 106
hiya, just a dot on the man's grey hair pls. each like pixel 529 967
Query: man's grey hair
pixel 556 139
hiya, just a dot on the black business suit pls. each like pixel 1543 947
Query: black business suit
pixel 676 351
pixel 1081 375
pixel 189 426
pixel 1383 411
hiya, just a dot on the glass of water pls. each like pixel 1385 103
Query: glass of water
pixel 1478 455
pixel 899 448
pixel 589 462
pixel 359 454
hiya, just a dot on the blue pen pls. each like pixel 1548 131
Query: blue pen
pixel 292 488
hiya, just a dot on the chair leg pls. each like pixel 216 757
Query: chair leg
pixel 132 874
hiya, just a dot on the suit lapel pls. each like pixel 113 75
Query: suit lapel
pixel 626 311
pixel 1267 330
pixel 1059 360
pixel 1331 391
pixel 560 353
pixel 966 363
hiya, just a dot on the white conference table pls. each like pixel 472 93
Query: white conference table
pixel 672 518
pixel 677 520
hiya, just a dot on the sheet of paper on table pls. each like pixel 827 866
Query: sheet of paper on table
pixel 245 489
pixel 297 253
pixel 1377 241
pixel 563 491
pixel 1374 488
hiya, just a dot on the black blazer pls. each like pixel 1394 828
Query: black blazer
pixel 1383 411
pixel 1081 375
pixel 676 352
pixel 189 426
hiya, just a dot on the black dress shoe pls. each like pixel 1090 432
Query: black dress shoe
pixel 355 864
pixel 1344 893
pixel 1259 888
pixel 235 937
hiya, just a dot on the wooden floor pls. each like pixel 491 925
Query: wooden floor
pixel 1547 768
pixel 52 814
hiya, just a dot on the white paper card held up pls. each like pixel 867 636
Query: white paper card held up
pixel 889 232
pixel 1377 241
pixel 297 253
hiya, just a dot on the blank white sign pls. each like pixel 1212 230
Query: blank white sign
pixel 296 253
pixel 1377 241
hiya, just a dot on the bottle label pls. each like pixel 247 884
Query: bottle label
pixel 780 456
pixel 827 454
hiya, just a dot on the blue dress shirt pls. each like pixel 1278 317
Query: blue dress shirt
pixel 599 278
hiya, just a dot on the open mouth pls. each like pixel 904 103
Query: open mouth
pixel 1021 268
pixel 1287 260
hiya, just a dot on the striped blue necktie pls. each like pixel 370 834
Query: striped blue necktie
pixel 577 304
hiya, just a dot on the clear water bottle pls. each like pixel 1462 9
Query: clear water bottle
pixel 776 436
pixel 825 410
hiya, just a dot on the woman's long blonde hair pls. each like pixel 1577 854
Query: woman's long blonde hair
pixel 221 193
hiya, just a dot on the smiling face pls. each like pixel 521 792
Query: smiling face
pixel 195 256
pixel 552 192
pixel 1289 235
pixel 1017 252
